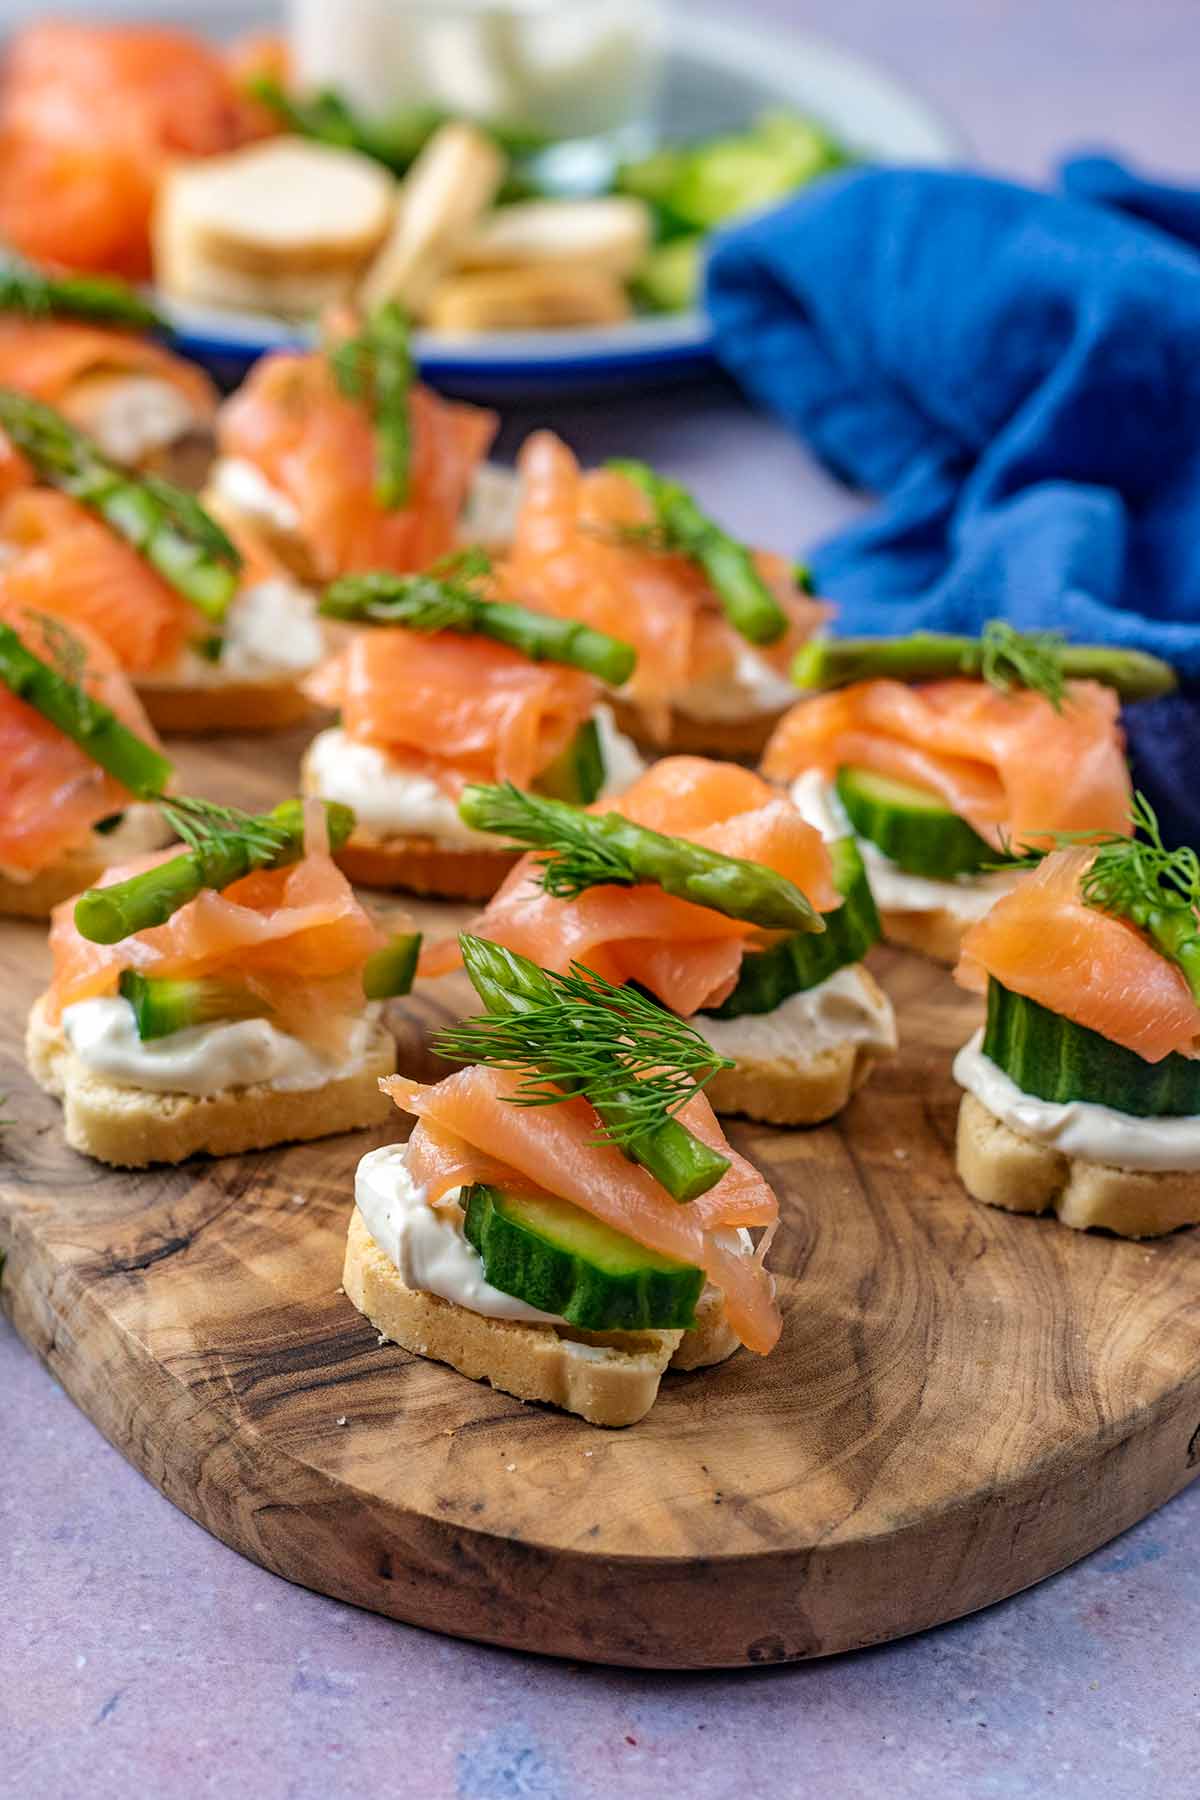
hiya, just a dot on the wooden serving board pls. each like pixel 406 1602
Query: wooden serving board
pixel 962 1401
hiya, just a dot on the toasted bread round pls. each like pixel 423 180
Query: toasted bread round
pixel 213 708
pixel 800 1091
pixel 1004 1168
pixel 132 1128
pixel 729 739
pixel 937 934
pixel 420 865
pixel 528 299
pixel 611 232
pixel 36 898
pixel 608 1378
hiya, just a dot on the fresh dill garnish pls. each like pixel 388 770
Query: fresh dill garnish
pixel 205 826
pixel 627 1056
pixel 574 857
pixel 1033 659
pixel 375 368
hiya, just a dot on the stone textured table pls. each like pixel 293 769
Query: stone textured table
pixel 140 1657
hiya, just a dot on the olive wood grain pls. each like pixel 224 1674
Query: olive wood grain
pixel 963 1401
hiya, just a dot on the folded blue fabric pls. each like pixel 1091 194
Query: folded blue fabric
pixel 1017 376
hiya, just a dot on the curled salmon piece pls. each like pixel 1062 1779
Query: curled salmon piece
pixel 51 792
pixel 459 708
pixel 316 448
pixel 1043 941
pixel 686 955
pixel 89 116
pixel 1008 763
pixel 575 553
pixel 556 1148
pixel 60 360
pixel 296 937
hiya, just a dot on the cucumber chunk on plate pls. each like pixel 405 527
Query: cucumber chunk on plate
pixel 1055 1059
pixel 556 1257
pixel 912 826
pixel 805 959
pixel 577 774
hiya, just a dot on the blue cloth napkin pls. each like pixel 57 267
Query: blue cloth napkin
pixel 1016 375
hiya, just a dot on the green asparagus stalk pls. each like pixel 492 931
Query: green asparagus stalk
pixel 166 525
pixel 930 656
pixel 101 299
pixel 138 766
pixel 389 971
pixel 436 603
pixel 592 850
pixel 223 845
pixel 510 986
pixel 748 602
pixel 375 367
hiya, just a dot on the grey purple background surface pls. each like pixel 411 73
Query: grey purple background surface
pixel 139 1657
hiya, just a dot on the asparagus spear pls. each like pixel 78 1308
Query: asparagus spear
pixel 512 987
pixel 376 368
pixel 167 526
pixel 748 602
pixel 928 656
pixel 140 768
pixel 223 845
pixel 432 602
pixel 100 298
pixel 598 849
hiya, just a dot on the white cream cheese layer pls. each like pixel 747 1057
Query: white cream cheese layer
pixel 1080 1128
pixel 846 1008
pixel 270 633
pixel 490 514
pixel 394 801
pixel 966 897
pixel 426 1243
pixel 202 1059
pixel 242 485
pixel 132 416
pixel 751 689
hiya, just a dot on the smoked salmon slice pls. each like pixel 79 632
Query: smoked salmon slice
pixel 317 448
pixel 56 557
pixel 51 792
pixel 89 115
pixel 1043 941
pixel 1007 763
pixel 556 1148
pixel 686 955
pixel 55 359
pixel 296 937
pixel 454 706
pixel 575 553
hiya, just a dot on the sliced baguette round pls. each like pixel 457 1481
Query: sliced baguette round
pixel 529 299
pixel 441 200
pixel 610 233
pixel 606 1378
pixel 213 708
pixel 792 1091
pixel 132 1128
pixel 937 934
pixel 730 740
pixel 77 869
pixel 420 865
pixel 1002 1167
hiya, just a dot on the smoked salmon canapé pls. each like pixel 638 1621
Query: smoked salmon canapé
pixel 1082 1090
pixel 78 342
pixel 708 889
pixel 441 687
pixel 344 461
pixel 948 757
pixel 566 1219
pixel 79 763
pixel 214 632
pixel 90 117
pixel 221 996
pixel 715 625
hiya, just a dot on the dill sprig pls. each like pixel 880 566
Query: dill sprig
pixel 634 1062
pixel 204 825
pixel 375 368
pixel 574 857
pixel 1009 658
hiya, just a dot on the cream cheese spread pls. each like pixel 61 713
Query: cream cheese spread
pixel 752 688
pixel 270 633
pixel 846 1008
pixel 244 487
pixel 202 1059
pixel 1079 1128
pixel 132 416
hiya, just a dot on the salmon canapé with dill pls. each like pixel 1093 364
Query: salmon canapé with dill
pixel 440 686
pixel 708 889
pixel 220 996
pixel 566 1251
pixel 714 623
pixel 945 755
pixel 1082 1090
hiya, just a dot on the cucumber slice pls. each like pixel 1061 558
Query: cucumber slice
pixel 669 278
pixel 1055 1059
pixel 161 1006
pixel 389 972
pixel 912 826
pixel 769 977
pixel 578 773
pixel 558 1258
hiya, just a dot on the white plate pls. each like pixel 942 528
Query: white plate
pixel 718 77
